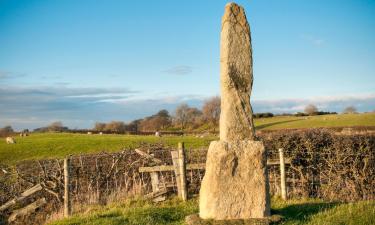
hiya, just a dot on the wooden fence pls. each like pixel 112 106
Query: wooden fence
pixel 154 171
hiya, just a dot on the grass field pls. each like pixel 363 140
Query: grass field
pixel 340 120
pixel 58 145
pixel 52 145
pixel 295 212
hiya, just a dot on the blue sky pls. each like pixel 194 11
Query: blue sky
pixel 84 61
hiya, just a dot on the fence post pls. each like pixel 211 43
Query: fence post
pixel 176 167
pixel 154 181
pixel 67 203
pixel 282 174
pixel 182 167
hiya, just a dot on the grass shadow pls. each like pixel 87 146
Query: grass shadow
pixel 300 213
pixel 275 123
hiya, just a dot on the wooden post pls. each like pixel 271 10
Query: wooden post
pixel 182 167
pixel 154 181
pixel 282 174
pixel 176 169
pixel 67 204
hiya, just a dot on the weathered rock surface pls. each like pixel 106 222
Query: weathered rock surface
pixel 235 184
pixel 236 75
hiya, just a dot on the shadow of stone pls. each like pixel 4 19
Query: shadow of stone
pixel 194 219
pixel 275 123
pixel 302 212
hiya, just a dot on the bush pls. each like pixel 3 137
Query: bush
pixel 263 115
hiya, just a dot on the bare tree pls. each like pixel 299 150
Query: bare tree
pixel 182 115
pixel 134 125
pixel 99 126
pixel 115 126
pixel 350 110
pixel 56 126
pixel 311 109
pixel 162 119
pixel 211 110
pixel 195 117
pixel 156 122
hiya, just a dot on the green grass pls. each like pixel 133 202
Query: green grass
pixel 58 145
pixel 296 212
pixel 135 212
pixel 52 145
pixel 341 120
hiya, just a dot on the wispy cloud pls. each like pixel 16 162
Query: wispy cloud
pixel 313 40
pixel 179 70
pixel 4 75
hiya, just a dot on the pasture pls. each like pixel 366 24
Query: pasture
pixel 58 145
pixel 293 122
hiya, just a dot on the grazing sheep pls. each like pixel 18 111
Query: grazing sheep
pixel 10 140
pixel 22 134
pixel 157 134
pixel 89 132
pixel 100 133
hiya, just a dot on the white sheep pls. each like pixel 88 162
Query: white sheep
pixel 10 140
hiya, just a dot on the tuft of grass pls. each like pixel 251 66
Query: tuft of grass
pixel 349 214
pixel 173 212
pixel 136 212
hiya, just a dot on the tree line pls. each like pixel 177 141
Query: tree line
pixel 184 118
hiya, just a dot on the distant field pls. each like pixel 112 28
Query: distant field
pixel 341 120
pixel 50 145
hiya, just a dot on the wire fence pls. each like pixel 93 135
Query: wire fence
pixel 338 173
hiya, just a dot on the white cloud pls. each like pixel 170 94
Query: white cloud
pixel 179 70
pixel 313 40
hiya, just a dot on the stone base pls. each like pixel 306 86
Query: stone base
pixel 235 184
pixel 196 220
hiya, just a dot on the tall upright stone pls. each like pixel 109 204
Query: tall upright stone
pixel 235 184
pixel 236 76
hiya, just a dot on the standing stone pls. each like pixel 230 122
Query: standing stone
pixel 236 67
pixel 235 184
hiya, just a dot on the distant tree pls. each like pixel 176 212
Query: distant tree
pixel 211 110
pixel 300 114
pixel 99 126
pixel 162 119
pixel 195 117
pixel 133 126
pixel 156 122
pixel 182 115
pixel 7 130
pixel 350 110
pixel 311 109
pixel 115 127
pixel 56 127
pixel 263 115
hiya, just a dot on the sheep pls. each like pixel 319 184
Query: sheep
pixel 10 140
